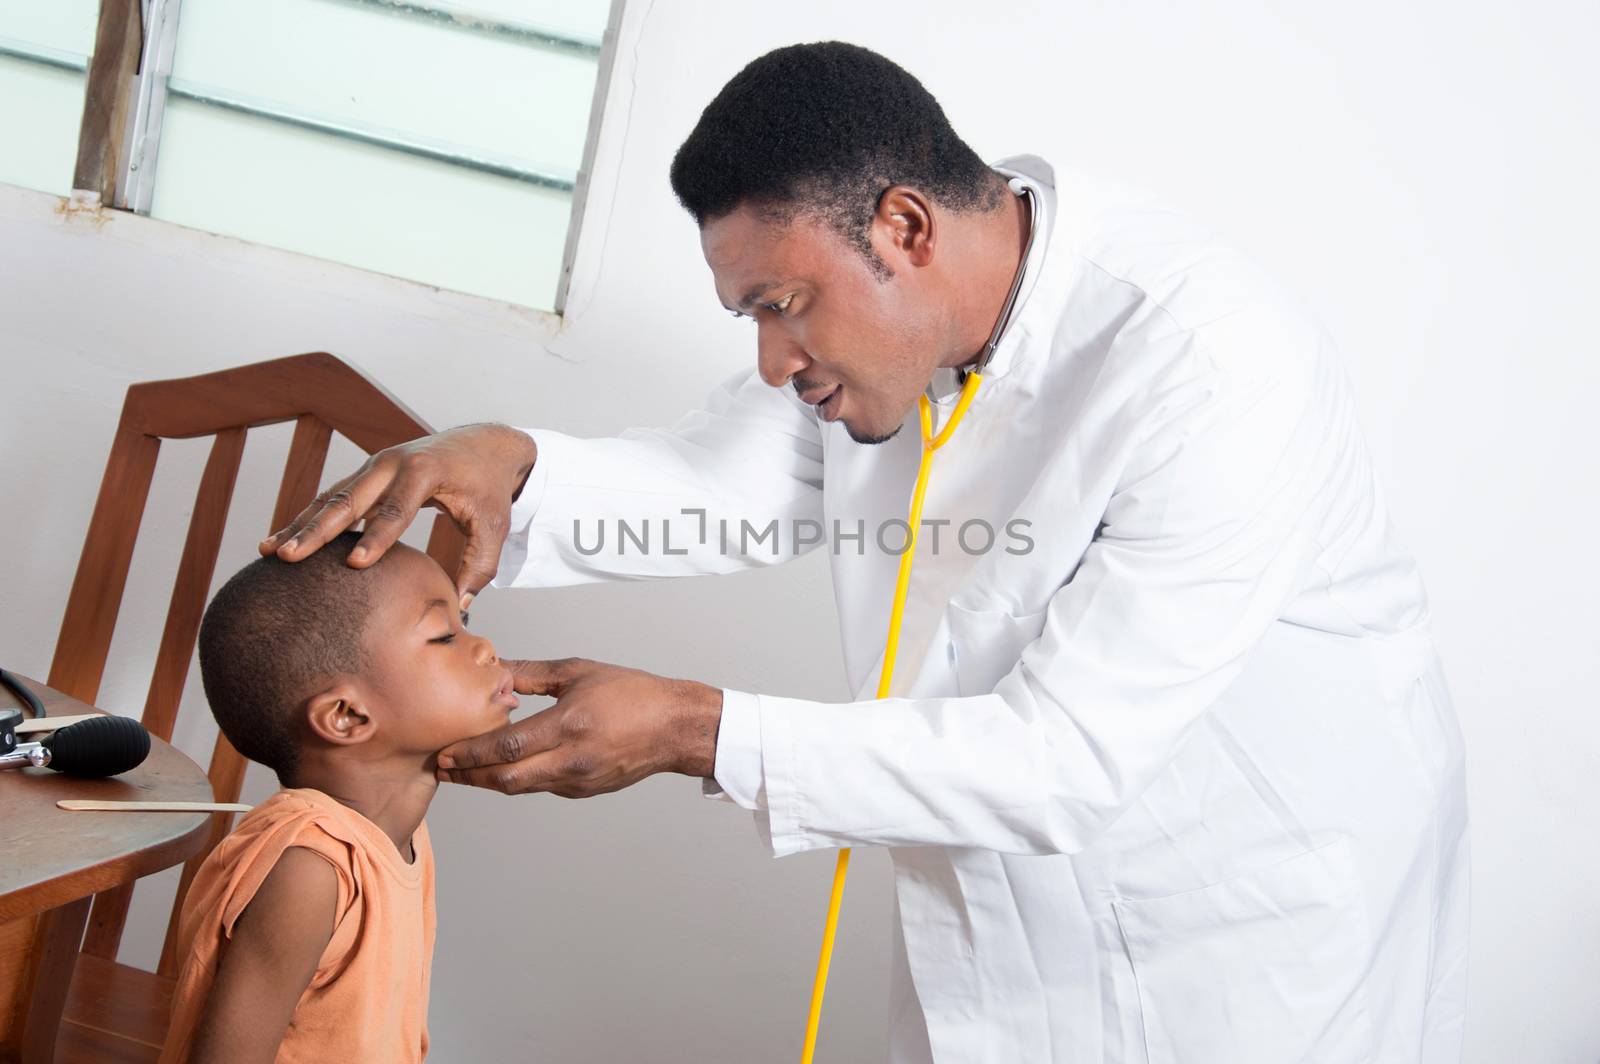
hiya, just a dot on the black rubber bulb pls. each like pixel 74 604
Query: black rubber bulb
pixel 99 746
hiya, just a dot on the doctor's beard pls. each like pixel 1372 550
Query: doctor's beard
pixel 862 437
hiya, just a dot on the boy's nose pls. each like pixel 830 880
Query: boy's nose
pixel 486 654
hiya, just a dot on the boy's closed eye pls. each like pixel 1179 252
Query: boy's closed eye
pixel 450 637
pixel 444 607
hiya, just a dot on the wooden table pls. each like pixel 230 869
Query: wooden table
pixel 52 862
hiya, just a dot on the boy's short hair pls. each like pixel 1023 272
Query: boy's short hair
pixel 272 637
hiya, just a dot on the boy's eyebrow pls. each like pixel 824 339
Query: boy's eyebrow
pixel 433 604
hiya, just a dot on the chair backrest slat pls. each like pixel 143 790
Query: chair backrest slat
pixel 189 593
pixel 96 595
pixel 302 471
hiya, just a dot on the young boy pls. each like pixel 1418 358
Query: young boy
pixel 308 933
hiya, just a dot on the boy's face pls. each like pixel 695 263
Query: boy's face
pixel 432 680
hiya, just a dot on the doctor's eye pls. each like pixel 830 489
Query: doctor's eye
pixel 781 306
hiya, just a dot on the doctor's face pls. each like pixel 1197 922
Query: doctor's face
pixel 858 344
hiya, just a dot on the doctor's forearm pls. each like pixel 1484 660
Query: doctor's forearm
pixel 712 494
pixel 1013 776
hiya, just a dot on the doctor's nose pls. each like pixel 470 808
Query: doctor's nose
pixel 778 358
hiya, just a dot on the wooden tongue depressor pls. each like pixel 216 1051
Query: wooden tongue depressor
pixel 46 724
pixel 95 805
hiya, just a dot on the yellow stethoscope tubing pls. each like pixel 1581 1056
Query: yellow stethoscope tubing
pixel 930 444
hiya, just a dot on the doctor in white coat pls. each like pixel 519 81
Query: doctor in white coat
pixel 1169 771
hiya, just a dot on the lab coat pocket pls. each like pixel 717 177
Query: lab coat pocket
pixel 986 644
pixel 1264 968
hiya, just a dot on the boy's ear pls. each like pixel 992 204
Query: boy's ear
pixel 340 716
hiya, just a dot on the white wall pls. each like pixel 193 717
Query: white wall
pixel 1422 174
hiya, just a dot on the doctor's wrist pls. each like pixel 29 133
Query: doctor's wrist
pixel 527 453
pixel 698 716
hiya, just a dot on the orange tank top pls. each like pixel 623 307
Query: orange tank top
pixel 368 1000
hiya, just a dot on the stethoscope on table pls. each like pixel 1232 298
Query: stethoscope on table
pixel 10 719
pixel 930 444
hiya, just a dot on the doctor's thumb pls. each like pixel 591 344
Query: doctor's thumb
pixel 548 678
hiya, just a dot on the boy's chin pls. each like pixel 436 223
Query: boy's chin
pixel 487 721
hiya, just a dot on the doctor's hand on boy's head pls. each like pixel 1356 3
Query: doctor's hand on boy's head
pixel 473 473
pixel 610 728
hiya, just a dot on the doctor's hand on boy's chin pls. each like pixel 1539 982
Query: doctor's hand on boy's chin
pixel 610 728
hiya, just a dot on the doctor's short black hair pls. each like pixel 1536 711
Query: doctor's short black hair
pixel 825 129
pixel 272 635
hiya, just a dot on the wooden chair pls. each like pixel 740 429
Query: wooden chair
pixel 115 1012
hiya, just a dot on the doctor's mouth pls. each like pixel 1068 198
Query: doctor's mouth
pixel 695 529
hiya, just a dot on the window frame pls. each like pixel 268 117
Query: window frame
pixel 132 153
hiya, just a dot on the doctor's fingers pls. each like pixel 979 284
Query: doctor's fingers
pixel 522 777
pixel 510 743
pixel 548 677
pixel 413 483
pixel 333 511
pixel 559 772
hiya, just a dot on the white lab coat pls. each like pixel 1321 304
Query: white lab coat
pixel 1180 783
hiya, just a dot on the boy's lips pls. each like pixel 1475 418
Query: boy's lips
pixel 505 694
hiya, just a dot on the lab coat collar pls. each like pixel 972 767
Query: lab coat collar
pixel 1022 171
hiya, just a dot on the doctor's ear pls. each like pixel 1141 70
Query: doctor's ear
pixel 905 217
pixel 340 716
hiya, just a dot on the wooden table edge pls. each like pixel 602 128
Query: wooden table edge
pixel 125 868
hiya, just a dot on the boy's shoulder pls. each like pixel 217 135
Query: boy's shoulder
pixel 285 818
pixel 363 859
pixel 233 872
pixel 309 818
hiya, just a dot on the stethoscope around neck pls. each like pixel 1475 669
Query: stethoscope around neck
pixel 930 445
